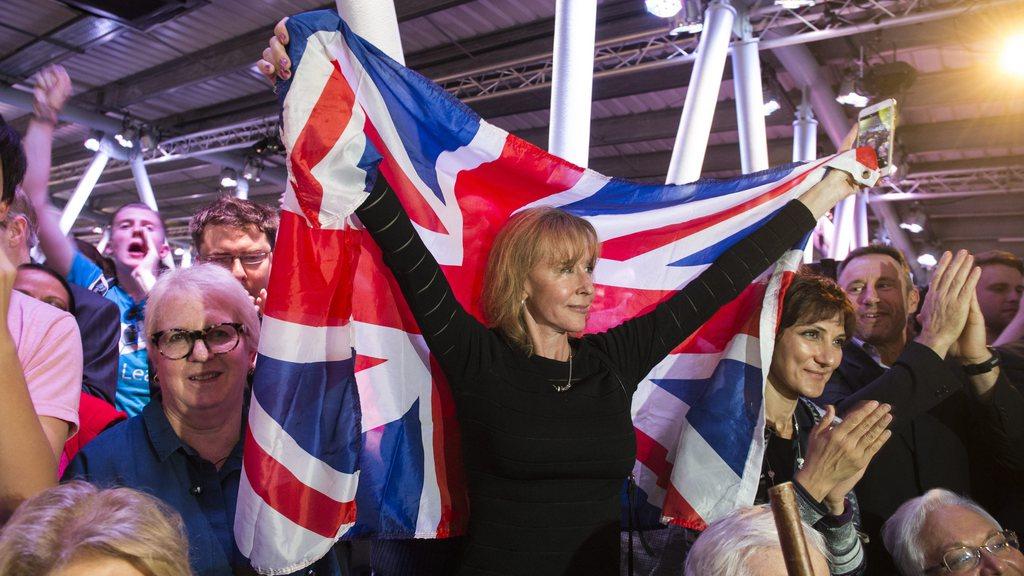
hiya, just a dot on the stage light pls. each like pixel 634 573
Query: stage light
pixel 849 94
pixel 929 255
pixel 179 251
pixel 913 222
pixel 92 144
pixel 1011 60
pixel 794 4
pixel 97 230
pixel 690 20
pixel 126 138
pixel 253 168
pixel 771 99
pixel 148 138
pixel 664 8
pixel 228 178
pixel 687 28
pixel 927 259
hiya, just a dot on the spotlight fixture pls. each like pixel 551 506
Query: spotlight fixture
pixel 913 222
pixel 1011 60
pixel 92 144
pixel 179 251
pixel 690 20
pixel 771 101
pixel 97 230
pixel 268 145
pixel 850 94
pixel 664 8
pixel 148 138
pixel 126 138
pixel 888 79
pixel 228 178
pixel 794 4
pixel 928 256
pixel 253 168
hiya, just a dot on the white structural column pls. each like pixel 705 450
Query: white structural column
pixel 142 182
pixel 377 22
pixel 805 132
pixel 843 216
pixel 860 220
pixel 572 81
pixel 702 94
pixel 746 81
pixel 805 149
pixel 92 175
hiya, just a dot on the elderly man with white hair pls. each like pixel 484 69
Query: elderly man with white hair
pixel 943 533
pixel 746 543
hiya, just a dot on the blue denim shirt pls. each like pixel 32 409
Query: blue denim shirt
pixel 145 453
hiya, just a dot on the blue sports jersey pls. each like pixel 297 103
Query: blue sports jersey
pixel 132 369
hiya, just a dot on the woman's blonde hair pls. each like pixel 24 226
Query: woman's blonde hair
pixel 206 283
pixel 530 237
pixel 77 520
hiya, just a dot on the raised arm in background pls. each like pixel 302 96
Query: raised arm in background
pixel 53 87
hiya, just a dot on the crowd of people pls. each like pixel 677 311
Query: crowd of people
pixel 897 412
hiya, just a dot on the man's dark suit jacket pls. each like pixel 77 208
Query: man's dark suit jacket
pixel 941 432
pixel 99 321
pixel 1007 502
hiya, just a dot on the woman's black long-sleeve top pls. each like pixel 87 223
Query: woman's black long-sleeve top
pixel 546 468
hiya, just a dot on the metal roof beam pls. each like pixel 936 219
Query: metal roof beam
pixel 958 166
pixel 232 55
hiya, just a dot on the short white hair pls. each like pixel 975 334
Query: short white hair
pixel 728 543
pixel 206 283
pixel 901 533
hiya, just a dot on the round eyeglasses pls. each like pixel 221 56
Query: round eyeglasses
pixel 964 558
pixel 177 343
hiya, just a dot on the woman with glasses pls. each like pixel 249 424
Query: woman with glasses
pixel 186 446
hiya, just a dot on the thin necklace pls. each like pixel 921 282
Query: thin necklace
pixel 568 383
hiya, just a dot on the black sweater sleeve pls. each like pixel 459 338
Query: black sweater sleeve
pixel 638 345
pixel 460 343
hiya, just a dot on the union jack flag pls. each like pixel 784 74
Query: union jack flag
pixel 352 429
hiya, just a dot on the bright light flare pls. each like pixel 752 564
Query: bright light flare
pixel 927 259
pixel 1012 59
pixel 771 106
pixel 664 8
pixel 794 4
pixel 852 98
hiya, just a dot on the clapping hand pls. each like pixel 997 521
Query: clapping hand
pixel 838 454
pixel 946 309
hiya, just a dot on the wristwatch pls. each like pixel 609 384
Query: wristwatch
pixel 983 367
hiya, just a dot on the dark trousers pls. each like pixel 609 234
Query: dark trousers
pixel 425 557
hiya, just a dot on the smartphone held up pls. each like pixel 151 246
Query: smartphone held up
pixel 877 129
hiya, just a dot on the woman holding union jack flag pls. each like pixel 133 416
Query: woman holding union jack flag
pixel 544 411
